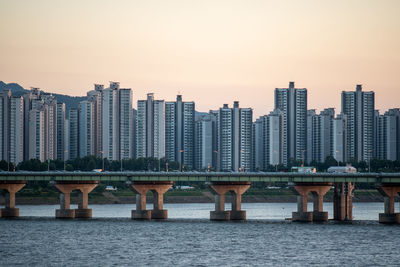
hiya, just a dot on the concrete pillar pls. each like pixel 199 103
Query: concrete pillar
pixel 11 188
pixel 318 191
pixel 302 215
pixel 389 192
pixel 158 211
pixel 343 202
pixel 220 214
pixel 84 188
pixel 236 201
pixel 302 202
pixel 158 188
pixel 220 202
pixel 220 189
pixel 141 213
pixel 65 201
pixel 83 211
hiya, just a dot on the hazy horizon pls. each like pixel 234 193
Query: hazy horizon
pixel 212 52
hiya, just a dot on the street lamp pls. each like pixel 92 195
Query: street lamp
pixel 8 161
pixel 276 162
pixel 122 152
pixel 337 157
pixel 181 159
pixel 102 155
pixel 216 160
pixel 369 162
pixel 241 161
pixel 302 155
pixel 65 157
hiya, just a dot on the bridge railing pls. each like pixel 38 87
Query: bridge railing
pixel 203 177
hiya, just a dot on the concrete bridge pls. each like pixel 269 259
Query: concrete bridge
pixel 318 184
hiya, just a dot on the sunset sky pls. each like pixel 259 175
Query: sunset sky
pixel 212 52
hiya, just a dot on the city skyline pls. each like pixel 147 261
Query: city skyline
pixel 106 124
pixel 257 112
pixel 240 52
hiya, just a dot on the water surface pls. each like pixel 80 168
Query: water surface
pixel 111 238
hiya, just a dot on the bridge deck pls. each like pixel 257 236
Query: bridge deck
pixel 203 177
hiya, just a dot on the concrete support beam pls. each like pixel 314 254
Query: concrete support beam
pixel 343 202
pixel 389 192
pixel 237 189
pixel 11 188
pixel 318 191
pixel 158 188
pixel 84 188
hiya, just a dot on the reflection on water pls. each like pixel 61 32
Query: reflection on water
pixel 257 211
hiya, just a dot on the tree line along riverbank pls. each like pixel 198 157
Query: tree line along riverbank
pixel 49 196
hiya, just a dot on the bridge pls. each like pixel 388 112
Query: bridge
pixel 203 177
pixel 318 184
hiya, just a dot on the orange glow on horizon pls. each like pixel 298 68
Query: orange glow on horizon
pixel 213 52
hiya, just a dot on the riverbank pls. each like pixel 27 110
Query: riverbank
pixel 128 197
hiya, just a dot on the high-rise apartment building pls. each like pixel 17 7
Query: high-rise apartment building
pixel 245 138
pixel 179 131
pixel 359 107
pixel 319 135
pixel 275 138
pixel 37 132
pixel 66 139
pixel 95 96
pixel 61 150
pixel 293 104
pixel 86 132
pixel 125 123
pixel 340 138
pixel 150 128
pixel 268 141
pixel 225 139
pixel 16 129
pixel 34 93
pixel 388 141
pixel 5 97
pixel 235 138
pixel 259 144
pixel 117 122
pixel 110 122
pixel 50 126
pixel 73 126
pixel 204 142
pixel 310 153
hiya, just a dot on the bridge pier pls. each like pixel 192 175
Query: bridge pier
pixel 343 202
pixel 158 188
pixel 219 189
pixel 84 187
pixel 11 187
pixel 389 192
pixel 318 191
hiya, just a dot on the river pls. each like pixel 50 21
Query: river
pixel 111 238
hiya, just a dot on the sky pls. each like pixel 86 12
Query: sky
pixel 210 51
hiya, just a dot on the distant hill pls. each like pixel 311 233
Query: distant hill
pixel 70 101
pixel 18 90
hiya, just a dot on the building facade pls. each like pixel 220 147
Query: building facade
pixel 179 132
pixel 359 108
pixel 150 128
pixel 292 102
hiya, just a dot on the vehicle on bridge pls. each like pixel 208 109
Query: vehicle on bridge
pixel 342 169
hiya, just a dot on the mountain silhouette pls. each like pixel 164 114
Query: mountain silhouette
pixel 18 90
